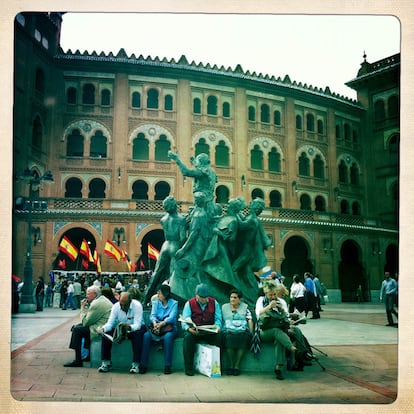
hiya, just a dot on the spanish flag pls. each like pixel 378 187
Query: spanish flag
pixel 86 251
pixel 97 261
pixel 153 253
pixel 113 251
pixel 68 248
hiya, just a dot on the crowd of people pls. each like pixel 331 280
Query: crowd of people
pixel 116 310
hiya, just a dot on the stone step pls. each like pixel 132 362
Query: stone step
pixel 122 357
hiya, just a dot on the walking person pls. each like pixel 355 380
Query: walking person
pixel 40 294
pixel 69 298
pixel 297 295
pixel 310 296
pixel 388 293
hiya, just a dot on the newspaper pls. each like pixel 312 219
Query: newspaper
pixel 203 328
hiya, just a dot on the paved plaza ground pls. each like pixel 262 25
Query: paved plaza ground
pixel 361 372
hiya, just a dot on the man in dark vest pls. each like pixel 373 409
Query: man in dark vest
pixel 203 310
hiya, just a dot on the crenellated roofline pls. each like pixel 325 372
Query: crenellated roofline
pixel 183 64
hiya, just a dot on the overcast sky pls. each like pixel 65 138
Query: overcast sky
pixel 316 50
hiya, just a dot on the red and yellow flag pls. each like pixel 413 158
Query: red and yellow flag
pixel 86 251
pixel 67 247
pixel 97 261
pixel 112 251
pixel 153 253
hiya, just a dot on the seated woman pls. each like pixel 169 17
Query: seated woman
pixel 163 320
pixel 237 327
pixel 274 325
pixel 295 334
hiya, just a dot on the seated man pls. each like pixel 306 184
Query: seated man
pixel 94 313
pixel 203 310
pixel 128 313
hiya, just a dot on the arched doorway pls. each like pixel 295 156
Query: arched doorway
pixel 351 273
pixel 81 263
pixel 391 256
pixel 296 252
pixel 156 239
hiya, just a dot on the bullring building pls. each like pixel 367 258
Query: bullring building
pixel 326 166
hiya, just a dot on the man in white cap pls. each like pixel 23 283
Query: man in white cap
pixel 203 310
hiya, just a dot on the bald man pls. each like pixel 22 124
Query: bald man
pixel 129 313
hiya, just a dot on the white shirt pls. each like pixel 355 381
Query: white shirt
pixel 134 316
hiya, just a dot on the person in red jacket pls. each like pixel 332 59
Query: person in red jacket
pixel 203 310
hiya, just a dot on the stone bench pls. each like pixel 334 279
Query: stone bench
pixel 122 357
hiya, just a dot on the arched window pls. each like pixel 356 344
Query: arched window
pixel 344 207
pixel 98 145
pixel 274 160
pixel 105 97
pixel 222 155
pixel 305 202
pixel 152 99
pixel 347 132
pixel 275 199
pixel 71 96
pixel 310 122
pixel 136 100
pixel 222 194
pixel 168 103
pixel 202 147
pixel 252 113
pixel 342 172
pixel 162 190
pixel 354 174
pixel 212 105
pixel 97 188
pixel 257 193
pixel 277 119
pixel 88 94
pixel 40 81
pixel 226 110
pixel 338 131
pixel 393 106
pixel 355 137
pixel 140 190
pixel 320 126
pixel 394 148
pixel 37 133
pixel 356 209
pixel 304 168
pixel 73 188
pixel 140 148
pixel 298 122
pixel 256 158
pixel 197 106
pixel 162 146
pixel 379 110
pixel 264 113
pixel 320 204
pixel 74 144
pixel 318 167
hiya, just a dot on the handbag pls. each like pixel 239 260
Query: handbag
pixel 163 330
pixel 273 319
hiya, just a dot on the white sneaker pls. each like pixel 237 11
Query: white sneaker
pixel 105 366
pixel 134 368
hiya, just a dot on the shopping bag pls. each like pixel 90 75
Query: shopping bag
pixel 207 360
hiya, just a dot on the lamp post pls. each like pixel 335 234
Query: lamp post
pixel 26 300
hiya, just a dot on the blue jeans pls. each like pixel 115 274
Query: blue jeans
pixel 167 338
pixel 70 301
